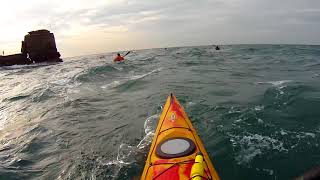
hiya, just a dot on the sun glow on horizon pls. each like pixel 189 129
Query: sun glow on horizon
pixel 74 34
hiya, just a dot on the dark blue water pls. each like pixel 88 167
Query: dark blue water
pixel 256 108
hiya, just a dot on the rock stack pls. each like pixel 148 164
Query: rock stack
pixel 38 46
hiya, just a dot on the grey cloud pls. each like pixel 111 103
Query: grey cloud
pixel 228 21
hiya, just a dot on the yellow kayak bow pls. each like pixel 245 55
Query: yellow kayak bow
pixel 177 152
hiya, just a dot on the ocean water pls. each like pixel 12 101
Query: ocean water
pixel 256 108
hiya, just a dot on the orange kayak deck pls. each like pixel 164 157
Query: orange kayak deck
pixel 175 146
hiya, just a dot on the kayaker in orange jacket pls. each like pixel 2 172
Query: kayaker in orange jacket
pixel 118 58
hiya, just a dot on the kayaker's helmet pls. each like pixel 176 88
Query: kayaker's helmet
pixel 118 54
pixel 175 147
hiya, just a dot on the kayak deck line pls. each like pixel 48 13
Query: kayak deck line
pixel 173 164
pixel 177 126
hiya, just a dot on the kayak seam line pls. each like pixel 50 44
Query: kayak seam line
pixel 182 162
pixel 157 137
pixel 195 139
pixel 201 153
pixel 174 128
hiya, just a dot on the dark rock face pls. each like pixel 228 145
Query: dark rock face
pixel 41 46
pixel 38 46
pixel 15 59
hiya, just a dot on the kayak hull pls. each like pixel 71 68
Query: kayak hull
pixel 174 133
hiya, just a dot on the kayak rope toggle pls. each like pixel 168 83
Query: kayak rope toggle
pixel 197 170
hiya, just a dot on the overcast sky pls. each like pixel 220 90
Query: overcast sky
pixel 97 26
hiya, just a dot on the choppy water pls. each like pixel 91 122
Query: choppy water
pixel 256 108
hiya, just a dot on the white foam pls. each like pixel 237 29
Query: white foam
pixel 29 65
pixel 254 144
pixel 306 134
pixel 149 124
pixel 70 89
pixel 111 85
pixel 149 128
pixel 3 119
pixel 118 68
pixel 299 135
pixel 147 139
pixel 310 134
pixel 144 75
pixel 276 83
pixel 259 108
pixel 248 155
pixel 134 77
pixel 234 110
pixel 126 154
pixel 190 103
pixel 269 171
pixel 282 132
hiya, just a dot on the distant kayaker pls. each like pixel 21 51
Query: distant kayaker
pixel 217 48
pixel 118 58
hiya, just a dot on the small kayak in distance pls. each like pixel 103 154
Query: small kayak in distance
pixel 176 152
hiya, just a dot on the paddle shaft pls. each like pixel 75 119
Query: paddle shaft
pixel 127 53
